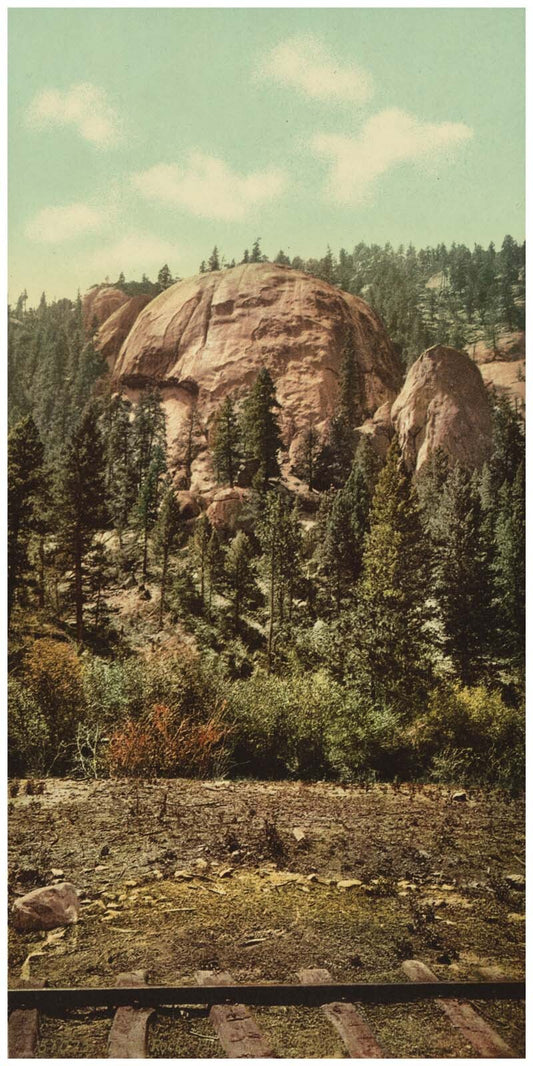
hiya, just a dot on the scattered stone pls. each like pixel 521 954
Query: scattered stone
pixel 46 908
pixel 312 877
pixel 183 875
pixel 201 864
pixel 351 883
pixel 131 883
pixel 228 871
pixel 298 835
pixel 57 873
pixel 516 917
pixel 99 869
pixel 459 797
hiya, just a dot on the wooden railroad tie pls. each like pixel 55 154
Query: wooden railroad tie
pixel 235 1025
pixel 463 1017
pixel 128 1038
pixel 23 1032
pixel 358 1039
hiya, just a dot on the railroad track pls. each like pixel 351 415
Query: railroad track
pixel 134 1003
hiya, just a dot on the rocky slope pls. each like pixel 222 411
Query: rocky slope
pixel 209 335
pixel 503 368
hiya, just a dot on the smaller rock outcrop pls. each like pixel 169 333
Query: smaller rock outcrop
pixel 46 908
pixel 100 302
pixel 445 404
pixel 379 430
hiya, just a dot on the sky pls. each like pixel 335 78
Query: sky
pixel 144 136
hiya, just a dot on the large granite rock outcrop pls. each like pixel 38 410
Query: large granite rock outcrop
pixel 210 335
pixel 443 403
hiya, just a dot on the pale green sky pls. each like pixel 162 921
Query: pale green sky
pixel 140 136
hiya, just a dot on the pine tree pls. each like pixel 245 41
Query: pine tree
pixel 213 262
pixel 164 278
pixel 148 432
pixel 391 661
pixel 347 523
pixel 306 457
pixel 462 581
pixel 189 442
pixel 214 567
pixel 198 550
pixel 350 387
pixel 166 534
pixel 239 575
pixel 260 428
pixel 509 567
pixel 25 475
pixel 120 462
pixel 226 443
pixel 336 456
pixel 146 507
pixel 81 499
pixel 280 539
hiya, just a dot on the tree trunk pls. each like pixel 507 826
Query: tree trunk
pixel 78 586
pixel 272 602
pixel 41 572
pixel 145 552
pixel 163 586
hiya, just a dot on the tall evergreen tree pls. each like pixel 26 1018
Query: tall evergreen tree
pixel 81 500
pixel 391 660
pixel 260 428
pixel 306 457
pixel 148 432
pixel 25 475
pixel 509 567
pixel 148 501
pixel 462 581
pixel 226 443
pixel 239 575
pixel 166 533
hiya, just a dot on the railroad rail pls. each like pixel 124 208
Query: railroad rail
pixel 134 1001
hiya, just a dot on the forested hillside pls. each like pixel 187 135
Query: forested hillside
pixel 344 618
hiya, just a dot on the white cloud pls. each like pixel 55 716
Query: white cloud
pixel 302 62
pixel 85 107
pixel 56 224
pixel 134 251
pixel 387 139
pixel 207 187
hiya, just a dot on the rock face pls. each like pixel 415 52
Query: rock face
pixel 443 403
pixel 210 335
pixel 46 908
pixel 503 369
pixel 115 328
pixel 225 508
pixel 100 302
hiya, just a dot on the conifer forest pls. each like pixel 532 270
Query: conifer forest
pixel 355 619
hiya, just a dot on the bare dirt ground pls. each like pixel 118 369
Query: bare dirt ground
pixel 177 876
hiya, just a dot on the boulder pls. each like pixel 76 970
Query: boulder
pixel 225 508
pixel 46 908
pixel 116 326
pixel 210 335
pixel 100 302
pixel 443 403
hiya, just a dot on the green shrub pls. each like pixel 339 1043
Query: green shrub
pixel 28 733
pixel 281 725
pixel 477 729
pixel 52 672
